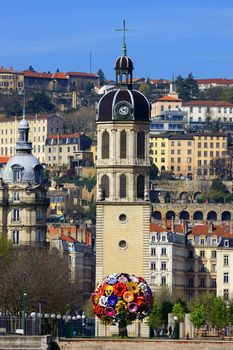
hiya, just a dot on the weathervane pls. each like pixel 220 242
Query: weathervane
pixel 124 30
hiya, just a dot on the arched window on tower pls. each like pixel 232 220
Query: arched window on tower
pixel 105 186
pixel 141 145
pixel 122 186
pixel 123 144
pixel 140 186
pixel 105 145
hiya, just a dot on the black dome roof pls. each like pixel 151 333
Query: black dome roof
pixel 140 107
pixel 124 62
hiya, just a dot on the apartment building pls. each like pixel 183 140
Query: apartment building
pixel 167 255
pixel 159 151
pixel 205 84
pixel 208 111
pixel 11 80
pixel 41 126
pixel 165 103
pixel 60 149
pixel 224 267
pixel 202 267
pixel 196 156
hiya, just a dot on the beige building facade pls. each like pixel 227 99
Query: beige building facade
pixel 23 201
pixel 196 156
pixel 11 80
pixel 41 126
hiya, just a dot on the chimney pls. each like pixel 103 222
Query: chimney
pixel 210 227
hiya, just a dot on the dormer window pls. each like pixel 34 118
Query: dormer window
pixel 17 173
pixel 226 243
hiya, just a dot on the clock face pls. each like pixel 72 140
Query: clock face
pixel 123 110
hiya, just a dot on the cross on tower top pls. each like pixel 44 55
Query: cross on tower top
pixel 124 30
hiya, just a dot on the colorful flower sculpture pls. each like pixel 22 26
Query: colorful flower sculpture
pixel 122 298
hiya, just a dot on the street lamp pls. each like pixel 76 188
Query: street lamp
pixel 83 324
pixel 176 331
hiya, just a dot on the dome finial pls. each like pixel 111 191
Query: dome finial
pixel 124 49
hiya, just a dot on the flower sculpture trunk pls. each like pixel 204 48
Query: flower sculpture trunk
pixel 122 298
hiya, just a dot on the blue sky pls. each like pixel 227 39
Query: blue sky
pixel 168 37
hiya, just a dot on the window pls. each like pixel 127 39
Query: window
pixel 141 145
pixel 163 265
pixel 178 151
pixel 39 236
pixel 202 241
pixel 225 294
pixel 226 243
pixel 153 238
pixel 15 196
pixel 140 186
pixel 225 260
pixel 39 214
pixel 105 145
pixel 163 280
pixel 15 237
pixel 189 160
pixel 179 160
pixel 152 279
pixel 123 144
pixel 153 251
pixel 190 282
pixel 213 283
pixel 15 215
pixel 199 109
pixel 122 186
pixel 213 254
pixel 163 238
pixel 202 282
pixel 16 175
pixel 172 151
pixel 202 253
pixel 189 151
pixel 163 251
pixel 191 109
pixel 105 186
pixel 153 265
pixel 172 160
pixel 225 277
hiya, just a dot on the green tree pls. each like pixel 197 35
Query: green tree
pixel 155 319
pixel 91 213
pixel 11 105
pixel 218 313
pixel 6 250
pixel 166 308
pixel 187 88
pixel 206 300
pixel 178 310
pixel 31 68
pixel 39 103
pixel 145 88
pixel 197 315
pixel 101 75
pixel 230 313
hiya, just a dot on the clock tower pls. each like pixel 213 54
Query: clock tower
pixel 122 206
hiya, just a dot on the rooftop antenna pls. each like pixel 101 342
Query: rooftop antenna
pixel 124 30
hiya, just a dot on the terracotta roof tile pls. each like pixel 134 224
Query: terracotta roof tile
pixel 30 74
pixel 83 74
pixel 4 160
pixel 208 103
pixel 169 98
pixel 64 136
pixel 215 81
